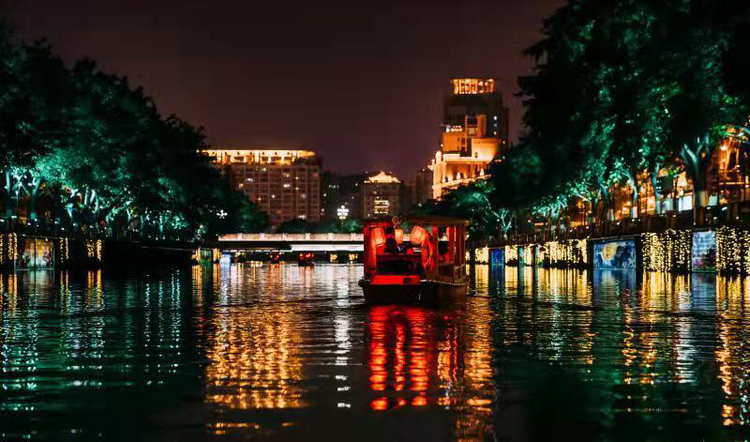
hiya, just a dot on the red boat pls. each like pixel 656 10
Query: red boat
pixel 429 267
pixel 306 259
pixel 275 257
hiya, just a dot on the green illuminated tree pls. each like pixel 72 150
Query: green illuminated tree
pixel 488 220
pixel 97 157
pixel 621 89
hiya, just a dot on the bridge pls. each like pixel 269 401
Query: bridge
pixel 293 242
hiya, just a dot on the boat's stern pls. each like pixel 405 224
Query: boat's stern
pixel 391 289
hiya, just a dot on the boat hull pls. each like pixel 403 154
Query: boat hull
pixel 426 292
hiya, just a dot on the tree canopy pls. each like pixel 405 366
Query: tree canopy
pixel 625 86
pixel 85 150
pixel 622 90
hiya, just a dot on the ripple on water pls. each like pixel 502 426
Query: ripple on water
pixel 288 352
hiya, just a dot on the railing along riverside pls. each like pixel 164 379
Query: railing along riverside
pixel 292 237
pixel 733 214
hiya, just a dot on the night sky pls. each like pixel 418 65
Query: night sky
pixel 361 83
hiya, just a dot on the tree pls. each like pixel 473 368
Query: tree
pixel 295 226
pixel 102 158
pixel 474 201
pixel 623 88
pixel 352 226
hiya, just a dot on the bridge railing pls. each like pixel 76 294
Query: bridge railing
pixel 287 237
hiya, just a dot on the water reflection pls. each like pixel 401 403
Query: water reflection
pixel 643 352
pixel 252 360
pixel 421 357
pixel 281 351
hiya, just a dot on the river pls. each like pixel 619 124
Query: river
pixel 282 352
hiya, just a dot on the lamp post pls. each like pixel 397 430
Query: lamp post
pixel 342 213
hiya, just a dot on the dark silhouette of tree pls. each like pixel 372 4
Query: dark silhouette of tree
pixel 102 157
pixel 296 226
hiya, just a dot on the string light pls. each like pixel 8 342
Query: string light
pixel 560 254
pixel 511 255
pixel 732 251
pixel 668 251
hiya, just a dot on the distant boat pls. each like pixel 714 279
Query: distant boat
pixel 306 259
pixel 275 257
pixel 428 268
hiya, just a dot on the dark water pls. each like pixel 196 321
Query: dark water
pixel 244 352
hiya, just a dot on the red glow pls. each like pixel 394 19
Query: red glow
pixel 379 404
pixel 417 236
pixel 378 236
pixel 399 235
pixel 403 353
pixel 395 279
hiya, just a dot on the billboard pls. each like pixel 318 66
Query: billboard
pixel 615 255
pixel 497 257
pixel 703 255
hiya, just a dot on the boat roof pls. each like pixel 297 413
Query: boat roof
pixel 435 220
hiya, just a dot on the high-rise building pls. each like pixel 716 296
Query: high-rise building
pixel 475 131
pixel 283 183
pixel 420 187
pixel 341 190
pixel 381 195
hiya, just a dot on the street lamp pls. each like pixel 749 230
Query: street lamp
pixel 342 213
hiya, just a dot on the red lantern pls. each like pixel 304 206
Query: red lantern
pixel 399 235
pixel 418 235
pixel 378 236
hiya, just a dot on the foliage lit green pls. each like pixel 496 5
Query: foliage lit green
pixel 623 92
pixel 85 152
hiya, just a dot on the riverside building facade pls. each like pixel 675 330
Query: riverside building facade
pixel 381 196
pixel 475 131
pixel 283 183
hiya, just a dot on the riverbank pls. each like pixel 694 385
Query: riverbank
pixel 724 250
pixel 21 252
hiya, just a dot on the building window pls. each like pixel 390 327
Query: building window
pixel 381 206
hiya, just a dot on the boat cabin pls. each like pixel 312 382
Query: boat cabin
pixel 414 250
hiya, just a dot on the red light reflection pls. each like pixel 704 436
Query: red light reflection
pixel 404 354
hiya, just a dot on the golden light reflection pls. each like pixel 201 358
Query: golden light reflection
pixel 8 292
pixel 94 290
pixel 732 349
pixel 254 360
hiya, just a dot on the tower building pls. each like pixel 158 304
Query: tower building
pixel 475 131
